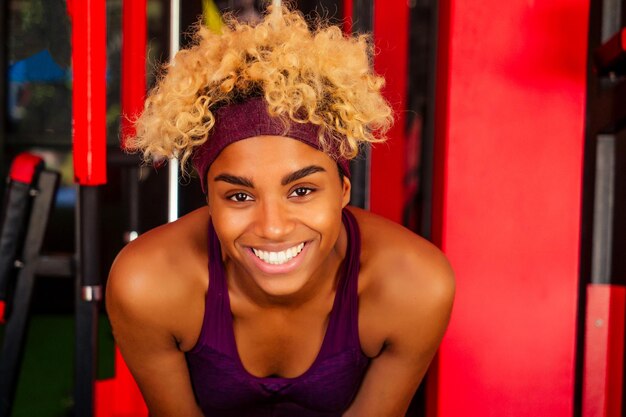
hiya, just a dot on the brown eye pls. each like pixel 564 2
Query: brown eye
pixel 240 197
pixel 301 192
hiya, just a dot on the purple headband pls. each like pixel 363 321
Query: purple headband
pixel 248 119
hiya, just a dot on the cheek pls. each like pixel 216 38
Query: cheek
pixel 228 225
pixel 326 222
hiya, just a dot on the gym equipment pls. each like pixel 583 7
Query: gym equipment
pixel 29 198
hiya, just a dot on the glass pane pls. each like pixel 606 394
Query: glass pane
pixel 39 76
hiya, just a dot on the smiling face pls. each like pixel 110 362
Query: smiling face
pixel 275 204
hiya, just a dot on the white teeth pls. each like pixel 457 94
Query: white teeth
pixel 278 258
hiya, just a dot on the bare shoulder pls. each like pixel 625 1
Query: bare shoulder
pixel 155 302
pixel 406 282
pixel 393 252
pixel 158 272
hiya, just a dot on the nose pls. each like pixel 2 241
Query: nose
pixel 274 220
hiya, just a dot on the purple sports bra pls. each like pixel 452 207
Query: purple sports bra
pixel 222 386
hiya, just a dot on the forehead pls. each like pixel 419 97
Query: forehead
pixel 269 153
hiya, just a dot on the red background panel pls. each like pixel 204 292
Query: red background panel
pixel 511 105
pixel 391 20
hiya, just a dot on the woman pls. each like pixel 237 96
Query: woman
pixel 307 307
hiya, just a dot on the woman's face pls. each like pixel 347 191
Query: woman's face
pixel 275 204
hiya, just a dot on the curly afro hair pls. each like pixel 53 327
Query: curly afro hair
pixel 317 76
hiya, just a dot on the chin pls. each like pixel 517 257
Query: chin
pixel 281 289
pixel 280 286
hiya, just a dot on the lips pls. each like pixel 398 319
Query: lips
pixel 279 257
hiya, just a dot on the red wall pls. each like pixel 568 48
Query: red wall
pixel 511 93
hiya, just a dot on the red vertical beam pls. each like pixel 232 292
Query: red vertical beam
pixel 604 351
pixel 133 90
pixel 348 10
pixel 511 112
pixel 89 90
pixel 388 160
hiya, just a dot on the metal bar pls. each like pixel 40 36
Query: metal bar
pixel 428 137
pixel 134 203
pixel 88 294
pixel 603 210
pixel 611 18
pixel 132 198
pixel 56 266
pixel 173 166
pixel 86 352
pixel 362 22
pixel 363 16
pixel 15 332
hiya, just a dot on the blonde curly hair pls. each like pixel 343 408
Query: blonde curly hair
pixel 314 76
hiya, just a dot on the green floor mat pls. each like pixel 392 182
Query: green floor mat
pixel 46 378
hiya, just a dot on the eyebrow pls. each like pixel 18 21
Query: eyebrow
pixel 287 179
pixel 301 173
pixel 235 180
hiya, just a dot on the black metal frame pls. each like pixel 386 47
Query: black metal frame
pixel 16 327
pixel 4 4
pixel 428 137
pixel 88 297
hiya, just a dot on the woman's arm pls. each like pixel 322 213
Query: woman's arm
pixel 142 314
pixel 412 304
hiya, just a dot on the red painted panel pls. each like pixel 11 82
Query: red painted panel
pixel 388 160
pixel 604 351
pixel 512 122
pixel 119 396
pixel 24 167
pixel 89 90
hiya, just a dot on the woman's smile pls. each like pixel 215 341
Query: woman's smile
pixel 273 262
pixel 280 257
